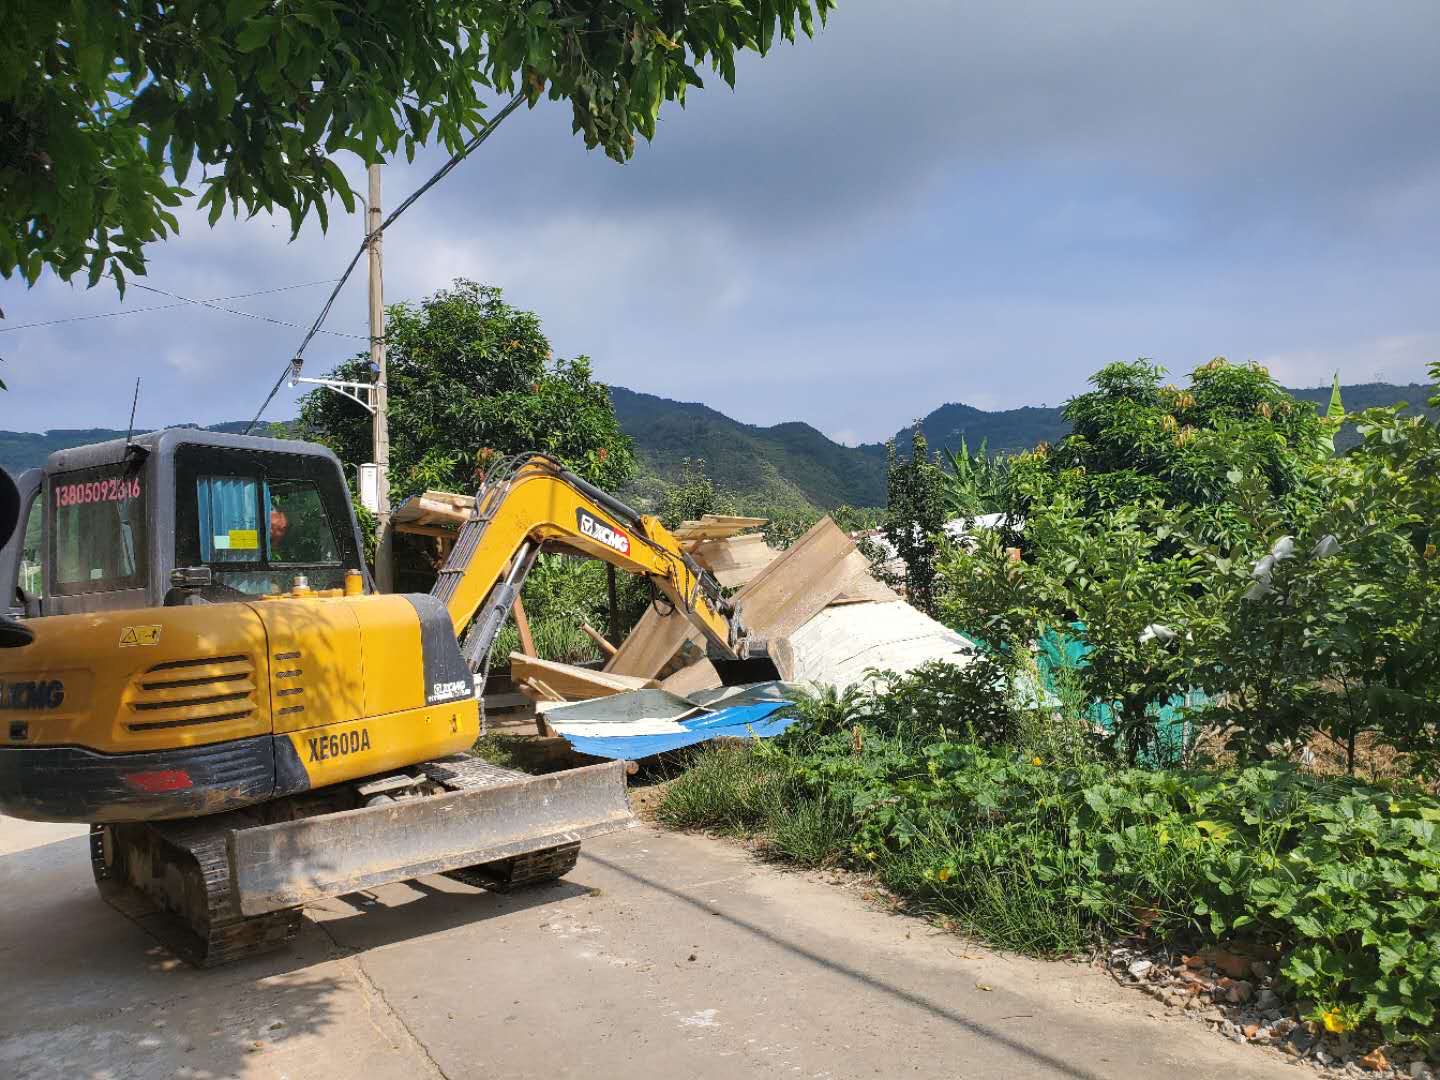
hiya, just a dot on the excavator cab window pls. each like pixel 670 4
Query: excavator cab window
pixel 299 530
pixel 99 536
pixel 259 520
pixel 31 581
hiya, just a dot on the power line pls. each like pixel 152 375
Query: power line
pixel 243 314
pixel 440 174
pixel 158 307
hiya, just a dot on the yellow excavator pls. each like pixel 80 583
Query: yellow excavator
pixel 195 662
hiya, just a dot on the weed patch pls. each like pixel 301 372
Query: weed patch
pixel 1340 878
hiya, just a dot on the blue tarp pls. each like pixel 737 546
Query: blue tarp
pixel 740 721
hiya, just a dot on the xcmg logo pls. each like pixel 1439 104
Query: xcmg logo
pixel 34 694
pixel 596 529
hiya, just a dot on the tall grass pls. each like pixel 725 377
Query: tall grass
pixel 555 639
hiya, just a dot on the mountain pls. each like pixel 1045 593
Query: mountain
pixel 21 450
pixel 1005 431
pixel 788 464
pixel 1011 430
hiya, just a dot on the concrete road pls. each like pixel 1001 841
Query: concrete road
pixel 660 956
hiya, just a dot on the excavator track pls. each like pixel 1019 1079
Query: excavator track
pixel 462 773
pixel 172 879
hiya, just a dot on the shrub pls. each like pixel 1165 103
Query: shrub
pixel 1321 619
pixel 939 698
pixel 915 516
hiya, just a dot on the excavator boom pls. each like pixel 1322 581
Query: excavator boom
pixel 531 502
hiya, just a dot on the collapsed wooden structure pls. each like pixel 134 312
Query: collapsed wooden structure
pixel 826 618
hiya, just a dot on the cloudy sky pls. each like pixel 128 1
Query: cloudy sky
pixel 935 200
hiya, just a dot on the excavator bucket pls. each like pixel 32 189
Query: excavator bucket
pixel 758 662
pixel 494 822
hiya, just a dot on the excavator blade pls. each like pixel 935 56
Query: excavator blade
pixel 501 818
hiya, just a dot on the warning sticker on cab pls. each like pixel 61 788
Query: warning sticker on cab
pixel 140 635
pixel 244 540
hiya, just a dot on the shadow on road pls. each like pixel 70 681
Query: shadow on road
pixel 974 1027
pixel 50 898
pixel 377 920
pixel 86 993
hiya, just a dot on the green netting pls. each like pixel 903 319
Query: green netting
pixel 1058 652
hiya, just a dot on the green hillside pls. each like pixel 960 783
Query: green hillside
pixel 1011 430
pixel 21 450
pixel 1004 431
pixel 788 464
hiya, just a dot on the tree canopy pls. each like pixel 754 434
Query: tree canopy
pixel 1133 439
pixel 108 106
pixel 470 379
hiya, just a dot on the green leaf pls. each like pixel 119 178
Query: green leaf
pixel 240 10
pixel 255 34
pixel 182 150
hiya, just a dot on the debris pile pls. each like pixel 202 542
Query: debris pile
pixel 1233 993
pixel 642 723
pixel 827 621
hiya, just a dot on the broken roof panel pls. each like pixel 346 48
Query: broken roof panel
pixel 647 722
pixel 842 643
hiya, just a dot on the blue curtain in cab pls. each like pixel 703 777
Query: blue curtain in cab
pixel 228 506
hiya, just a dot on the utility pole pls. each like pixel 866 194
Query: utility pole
pixel 384 558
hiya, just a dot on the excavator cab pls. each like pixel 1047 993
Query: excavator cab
pixel 177 516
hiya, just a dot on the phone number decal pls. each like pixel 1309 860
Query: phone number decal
pixel 116 489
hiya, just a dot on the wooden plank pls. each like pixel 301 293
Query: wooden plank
pixel 612 600
pixel 734 561
pixel 799 584
pixel 573 683
pixel 716 526
pixel 539 693
pixel 435 509
pixel 448 499
pixel 442 508
pixel 652 644
pixel 599 639
pixel 698 676
pixel 522 624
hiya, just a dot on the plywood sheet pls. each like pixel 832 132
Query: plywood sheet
pixel 575 683
pixel 798 584
pixel 860 585
pixel 736 560
pixel 652 644
pixel 820 568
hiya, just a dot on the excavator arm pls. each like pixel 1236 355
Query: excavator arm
pixel 531 502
